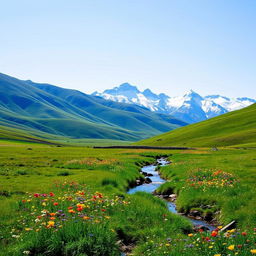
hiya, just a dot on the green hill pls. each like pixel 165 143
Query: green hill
pixel 234 128
pixel 49 111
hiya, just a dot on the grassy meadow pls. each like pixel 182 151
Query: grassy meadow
pixel 63 200
pixel 236 128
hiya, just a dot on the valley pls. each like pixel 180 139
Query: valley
pixel 82 175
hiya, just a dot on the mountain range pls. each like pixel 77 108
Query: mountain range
pixel 45 111
pixel 191 107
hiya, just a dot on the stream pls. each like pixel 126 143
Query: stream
pixel 157 181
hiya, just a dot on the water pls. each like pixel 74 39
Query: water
pixel 157 181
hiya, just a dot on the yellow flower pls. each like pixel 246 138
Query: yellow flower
pixel 190 234
pixel 217 254
pixel 253 251
pixel 219 227
pixel 167 244
pixel 231 247
pixel 50 224
pixel 28 229
pixel 210 247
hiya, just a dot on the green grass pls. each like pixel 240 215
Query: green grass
pixel 16 135
pixel 234 128
pixel 35 168
pixel 143 220
pixel 223 180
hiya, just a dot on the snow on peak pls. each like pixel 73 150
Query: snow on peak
pixel 191 107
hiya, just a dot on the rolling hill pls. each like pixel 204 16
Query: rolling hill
pixel 230 129
pixel 50 112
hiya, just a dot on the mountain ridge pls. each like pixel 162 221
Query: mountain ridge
pixel 41 107
pixel 191 107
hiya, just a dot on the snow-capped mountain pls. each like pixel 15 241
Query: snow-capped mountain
pixel 191 107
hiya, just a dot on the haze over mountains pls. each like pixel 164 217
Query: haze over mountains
pixel 45 110
pixel 191 107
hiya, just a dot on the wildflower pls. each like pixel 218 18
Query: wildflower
pixel 52 214
pixel 26 252
pixel 244 233
pixel 71 211
pixel 86 217
pixel 50 224
pixel 55 203
pixel 107 217
pixel 28 229
pixel 214 233
pixel 100 195
pixel 231 247
pixel 15 236
pixel 36 195
pixel 217 254
pixel 190 234
pixel 51 194
pixel 253 251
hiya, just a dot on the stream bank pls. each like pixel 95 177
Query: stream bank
pixel 153 181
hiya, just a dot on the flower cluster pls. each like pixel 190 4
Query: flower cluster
pixel 211 178
pixel 214 243
pixel 71 203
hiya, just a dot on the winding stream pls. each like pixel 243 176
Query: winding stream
pixel 157 181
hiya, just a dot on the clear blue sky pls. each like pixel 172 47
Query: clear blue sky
pixel 166 45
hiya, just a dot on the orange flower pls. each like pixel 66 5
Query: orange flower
pixel 86 217
pixel 55 203
pixel 52 214
pixel 71 211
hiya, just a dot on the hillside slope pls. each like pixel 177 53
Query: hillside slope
pixel 234 128
pixel 36 108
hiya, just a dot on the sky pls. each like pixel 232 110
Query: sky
pixel 169 46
